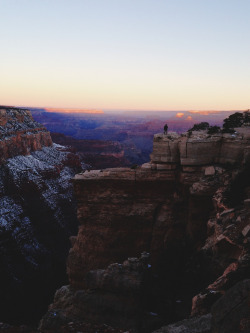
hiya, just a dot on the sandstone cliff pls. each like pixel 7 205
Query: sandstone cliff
pixel 186 208
pixel 37 215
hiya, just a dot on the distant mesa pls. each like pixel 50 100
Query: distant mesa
pixel 63 110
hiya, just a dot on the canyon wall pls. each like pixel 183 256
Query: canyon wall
pixel 37 215
pixel 20 134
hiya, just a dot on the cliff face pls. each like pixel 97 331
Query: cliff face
pixel 164 203
pixel 20 134
pixel 164 208
pixel 37 215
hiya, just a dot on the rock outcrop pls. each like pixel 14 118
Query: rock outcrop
pixel 186 208
pixel 37 215
pixel 20 134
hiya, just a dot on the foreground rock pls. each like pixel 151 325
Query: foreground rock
pixel 72 327
pixel 195 325
pixel 231 313
pixel 114 295
pixel 186 208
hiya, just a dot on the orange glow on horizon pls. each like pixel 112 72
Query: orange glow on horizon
pixel 63 110
pixel 205 113
pixel 179 114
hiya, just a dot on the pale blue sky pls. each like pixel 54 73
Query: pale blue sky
pixel 140 54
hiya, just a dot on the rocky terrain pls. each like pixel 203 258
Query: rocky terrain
pixel 164 247
pixel 187 212
pixel 37 215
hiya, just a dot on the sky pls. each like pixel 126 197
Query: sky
pixel 126 54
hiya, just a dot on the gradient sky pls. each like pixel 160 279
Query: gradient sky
pixel 125 54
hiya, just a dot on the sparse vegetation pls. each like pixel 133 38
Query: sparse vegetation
pixel 134 166
pixel 213 129
pixel 236 119
pixel 204 126
pixel 200 127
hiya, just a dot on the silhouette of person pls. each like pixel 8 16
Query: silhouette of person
pixel 165 128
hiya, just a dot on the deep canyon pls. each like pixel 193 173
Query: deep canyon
pixel 160 243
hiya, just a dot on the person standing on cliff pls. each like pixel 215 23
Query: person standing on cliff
pixel 165 128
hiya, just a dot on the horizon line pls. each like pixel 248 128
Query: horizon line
pixel 132 109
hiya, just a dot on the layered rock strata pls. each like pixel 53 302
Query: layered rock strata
pixel 37 215
pixel 20 134
pixel 200 149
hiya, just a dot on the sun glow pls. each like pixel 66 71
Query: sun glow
pixel 179 115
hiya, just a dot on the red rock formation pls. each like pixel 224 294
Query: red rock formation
pixel 20 134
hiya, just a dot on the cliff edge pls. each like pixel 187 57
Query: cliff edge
pixel 188 208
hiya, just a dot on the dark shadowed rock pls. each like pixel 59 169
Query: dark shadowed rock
pixel 194 325
pixel 114 296
pixel 231 313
